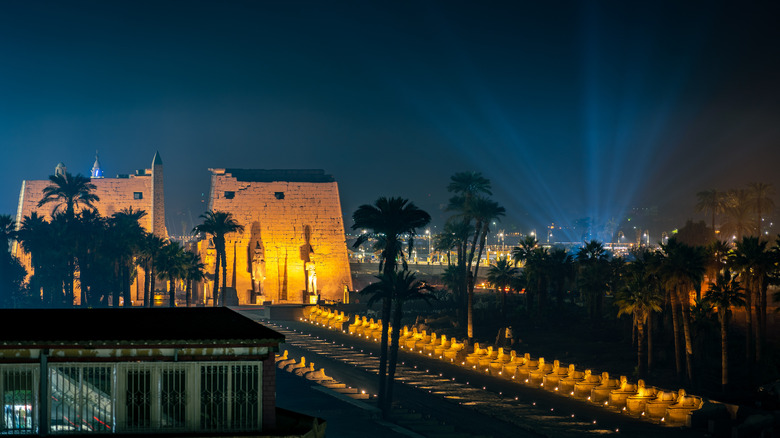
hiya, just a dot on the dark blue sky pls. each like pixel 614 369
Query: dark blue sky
pixel 573 109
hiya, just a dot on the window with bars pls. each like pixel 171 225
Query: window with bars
pixel 81 398
pixel 229 397
pixel 173 398
pixel 134 397
pixel 138 399
pixel 18 385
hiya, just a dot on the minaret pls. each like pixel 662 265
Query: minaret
pixel 97 172
pixel 158 198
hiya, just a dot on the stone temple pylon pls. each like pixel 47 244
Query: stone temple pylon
pixel 158 198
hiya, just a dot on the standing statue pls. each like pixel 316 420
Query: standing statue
pixel 311 275
pixel 258 268
pixel 256 258
pixel 308 264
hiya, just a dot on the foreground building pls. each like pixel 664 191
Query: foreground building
pixel 195 370
pixel 293 248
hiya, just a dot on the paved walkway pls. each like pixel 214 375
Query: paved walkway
pixel 345 417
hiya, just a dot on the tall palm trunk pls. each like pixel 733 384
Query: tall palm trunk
pixel 224 275
pixel 724 348
pixel 761 316
pixel 640 346
pixel 462 286
pixel 126 284
pixel 387 301
pixel 471 284
pixel 69 285
pixel 649 341
pixel 686 320
pixel 171 291
pixel 676 331
pixel 383 397
pixel 470 313
pixel 749 340
pixel 393 361
pixel 477 228
pixel 152 281
pixel 146 283
pixel 215 292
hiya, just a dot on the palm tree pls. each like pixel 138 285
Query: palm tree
pixel 521 253
pixel 711 201
pixel 69 191
pixel 389 218
pixel 32 239
pixel 754 264
pixel 467 187
pixel 7 229
pixel 72 192
pixel 648 262
pixel 46 244
pixel 485 211
pixel 469 184
pixel 725 292
pixel 170 265
pixel 760 199
pixel 149 252
pixel 218 224
pixel 95 248
pixel 448 240
pixel 450 278
pixel 399 287
pixel 456 233
pixel 593 276
pixel 682 270
pixel 12 273
pixel 129 236
pixel 501 276
pixel 738 210
pixel 638 299
pixel 535 262
pixel 194 271
pixel 560 271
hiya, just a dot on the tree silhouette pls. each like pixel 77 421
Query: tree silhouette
pixel 390 219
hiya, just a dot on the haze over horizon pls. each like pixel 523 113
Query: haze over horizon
pixel 572 109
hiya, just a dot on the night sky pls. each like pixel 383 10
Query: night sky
pixel 573 109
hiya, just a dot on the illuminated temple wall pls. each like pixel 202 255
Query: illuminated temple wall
pixel 135 190
pixel 292 221
pixel 115 194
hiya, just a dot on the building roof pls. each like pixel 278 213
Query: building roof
pixel 132 325
pixel 274 175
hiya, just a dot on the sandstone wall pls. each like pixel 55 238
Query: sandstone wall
pixel 306 222
pixel 115 194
